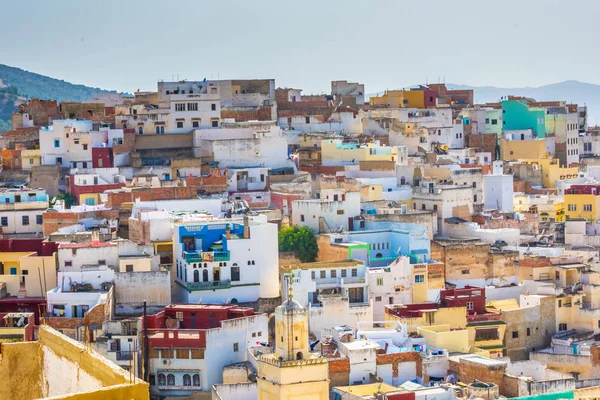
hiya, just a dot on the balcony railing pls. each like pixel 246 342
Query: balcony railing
pixel 206 256
pixel 225 284
pixel 125 355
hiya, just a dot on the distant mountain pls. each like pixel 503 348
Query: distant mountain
pixel 571 91
pixel 18 85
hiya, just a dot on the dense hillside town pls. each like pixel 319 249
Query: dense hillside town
pixel 232 239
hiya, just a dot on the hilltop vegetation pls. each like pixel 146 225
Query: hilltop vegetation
pixel 19 85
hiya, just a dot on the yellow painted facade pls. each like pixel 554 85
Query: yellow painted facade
pixel 518 150
pixel 94 199
pixel 40 275
pixel 28 371
pixel 371 193
pixel 550 209
pixel 455 317
pixel 491 346
pixel 585 206
pixel 400 98
pixel 552 172
pixel 420 289
pixel 30 158
pixel 442 337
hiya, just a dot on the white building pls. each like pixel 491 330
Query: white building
pixel 226 260
pixel 244 145
pixel 21 211
pixel 498 189
pixel 330 212
pixel 447 200
pixel 483 120
pixel 190 344
pixel 68 143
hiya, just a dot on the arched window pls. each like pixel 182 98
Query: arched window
pixel 299 355
pixel 220 264
pixel 196 275
pixel 196 379
pixel 205 265
pixel 124 126
pixel 140 130
pixel 162 129
pixel 171 380
pixel 252 262
pixel 205 275
pixel 379 255
pixel 162 380
pixel 224 264
pixel 216 275
pixel 187 380
pixel 157 129
pixel 195 265
pixel 249 262
pixel 402 180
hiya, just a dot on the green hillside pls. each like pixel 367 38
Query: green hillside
pixel 16 82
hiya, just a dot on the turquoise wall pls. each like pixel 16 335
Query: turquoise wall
pixel 517 115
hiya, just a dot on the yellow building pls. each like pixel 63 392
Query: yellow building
pixel 90 199
pixel 30 158
pixel 583 202
pixel 60 368
pixel 549 207
pixel 400 98
pixel 486 335
pixel 336 152
pixel 27 274
pixel 292 372
pixel 455 317
pixel 552 172
pixel 442 337
pixel 371 193
pixel 517 150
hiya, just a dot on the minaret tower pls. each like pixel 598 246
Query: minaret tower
pixel 292 372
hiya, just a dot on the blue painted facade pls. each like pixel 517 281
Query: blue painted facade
pixel 18 196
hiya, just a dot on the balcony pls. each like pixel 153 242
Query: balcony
pixel 193 256
pixel 195 286
pixel 121 355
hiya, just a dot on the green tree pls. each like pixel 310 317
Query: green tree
pixel 68 198
pixel 300 241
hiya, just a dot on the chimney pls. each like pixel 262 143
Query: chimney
pixel 246 227
pixel 95 235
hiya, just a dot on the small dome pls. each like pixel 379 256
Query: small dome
pixel 290 305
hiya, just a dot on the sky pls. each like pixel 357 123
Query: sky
pixel 129 44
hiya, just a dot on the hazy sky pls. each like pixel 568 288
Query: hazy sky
pixel 130 44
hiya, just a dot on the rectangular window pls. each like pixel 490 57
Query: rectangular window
pixel 469 306
pixel 515 334
pixel 323 274
pixel 192 106
pixel 262 177
pixel 179 106
pixel 68 263
pixel 379 281
pixel 587 207
pixel 100 162
pixel 559 303
pixel 215 124
pixel 4 221
pixel 354 272
pixel 56 143
pixel 235 274
pixel 312 275
pixel 487 120
pixel 494 122
pixel 307 120
pixel 333 273
pixel 528 331
pixel 572 207
pixel 562 327
pixel 465 272
pixel 213 107
pixel 101 262
pixel 340 212
pixel 391 300
pixel 85 146
pixel 419 278
pixel 195 124
pixel 129 268
pixel 39 219
pixel 236 347
pixel 25 220
pixel 180 124
pixel 301 217
pixel 378 298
